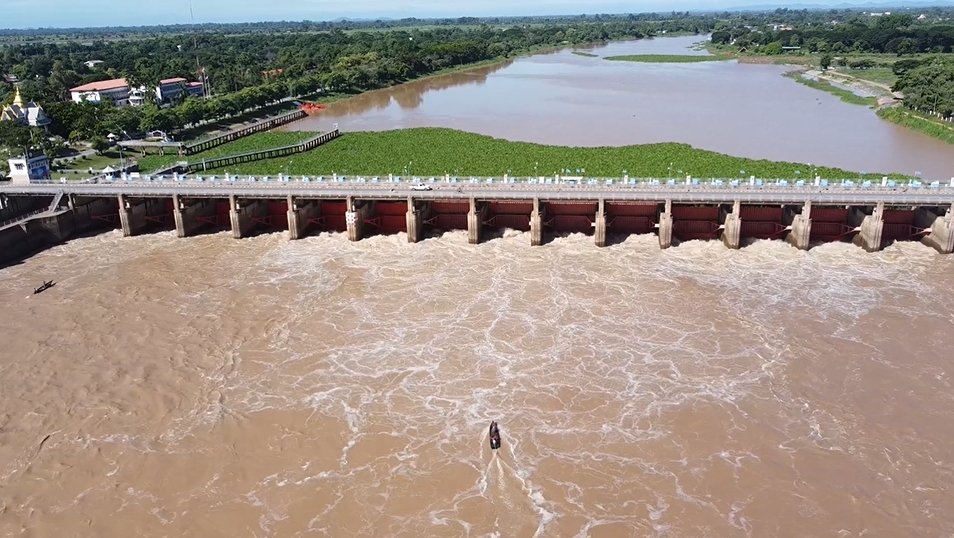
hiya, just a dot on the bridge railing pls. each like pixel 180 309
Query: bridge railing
pixel 561 182
pixel 270 153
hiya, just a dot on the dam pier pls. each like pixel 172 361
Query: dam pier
pixel 871 216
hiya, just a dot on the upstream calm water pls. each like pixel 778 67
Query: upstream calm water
pixel 567 99
pixel 260 387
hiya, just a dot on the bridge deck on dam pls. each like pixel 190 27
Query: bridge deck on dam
pixel 870 215
pixel 778 191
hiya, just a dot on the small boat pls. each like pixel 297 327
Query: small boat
pixel 312 108
pixel 494 436
pixel 46 285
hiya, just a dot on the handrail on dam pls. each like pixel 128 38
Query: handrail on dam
pixel 447 187
pixel 728 183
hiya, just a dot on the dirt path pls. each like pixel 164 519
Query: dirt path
pixel 855 85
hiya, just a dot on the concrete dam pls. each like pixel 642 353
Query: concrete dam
pixel 871 216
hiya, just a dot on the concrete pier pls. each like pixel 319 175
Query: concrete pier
pixel 243 214
pixel 665 226
pixel 300 212
pixel 355 215
pixel 125 216
pixel 941 236
pixel 599 230
pixel 732 229
pixel 415 221
pixel 475 218
pixel 801 233
pixel 191 215
pixel 536 224
pixel 133 213
pixel 869 233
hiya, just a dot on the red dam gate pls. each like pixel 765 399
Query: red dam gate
pixel 627 218
pixel 899 226
pixel 830 224
pixel 761 222
pixel 514 215
pixel 388 217
pixel 695 222
pixel 572 217
pixel 446 215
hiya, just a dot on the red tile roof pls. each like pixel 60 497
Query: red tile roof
pixel 172 80
pixel 101 85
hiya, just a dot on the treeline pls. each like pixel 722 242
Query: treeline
pixel 234 62
pixel 928 85
pixel 894 34
pixel 120 32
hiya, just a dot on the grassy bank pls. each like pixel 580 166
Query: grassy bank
pixel 432 151
pixel 842 94
pixel 668 58
pixel 912 120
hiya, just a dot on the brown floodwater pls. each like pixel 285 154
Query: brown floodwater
pixel 261 387
pixel 567 99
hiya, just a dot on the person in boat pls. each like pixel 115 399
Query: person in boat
pixel 494 436
pixel 46 285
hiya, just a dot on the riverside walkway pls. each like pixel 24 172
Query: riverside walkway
pixel 870 213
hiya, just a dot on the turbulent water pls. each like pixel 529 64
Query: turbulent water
pixel 260 387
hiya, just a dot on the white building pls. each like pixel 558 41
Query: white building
pixel 173 89
pixel 29 169
pixel 115 91
pixel 25 113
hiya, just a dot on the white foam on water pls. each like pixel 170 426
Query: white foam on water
pixel 595 361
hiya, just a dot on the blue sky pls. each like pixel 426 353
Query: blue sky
pixel 71 13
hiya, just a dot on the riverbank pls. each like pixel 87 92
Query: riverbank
pixel 817 80
pixel 935 128
pixel 326 97
pixel 437 151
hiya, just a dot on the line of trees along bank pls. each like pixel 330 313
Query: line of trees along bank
pixel 841 32
pixel 308 62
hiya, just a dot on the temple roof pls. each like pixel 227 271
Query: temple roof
pixel 27 113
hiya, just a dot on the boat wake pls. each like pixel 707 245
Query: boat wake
pixel 519 509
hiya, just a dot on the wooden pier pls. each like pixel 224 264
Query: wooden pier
pixel 191 148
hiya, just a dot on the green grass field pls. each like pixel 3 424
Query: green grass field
pixel 433 151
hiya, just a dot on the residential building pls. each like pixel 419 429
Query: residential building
pixel 92 64
pixel 29 169
pixel 25 113
pixel 175 89
pixel 115 91
pixel 137 96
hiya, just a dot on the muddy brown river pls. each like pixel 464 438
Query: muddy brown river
pixel 567 99
pixel 260 387
pixel 215 387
